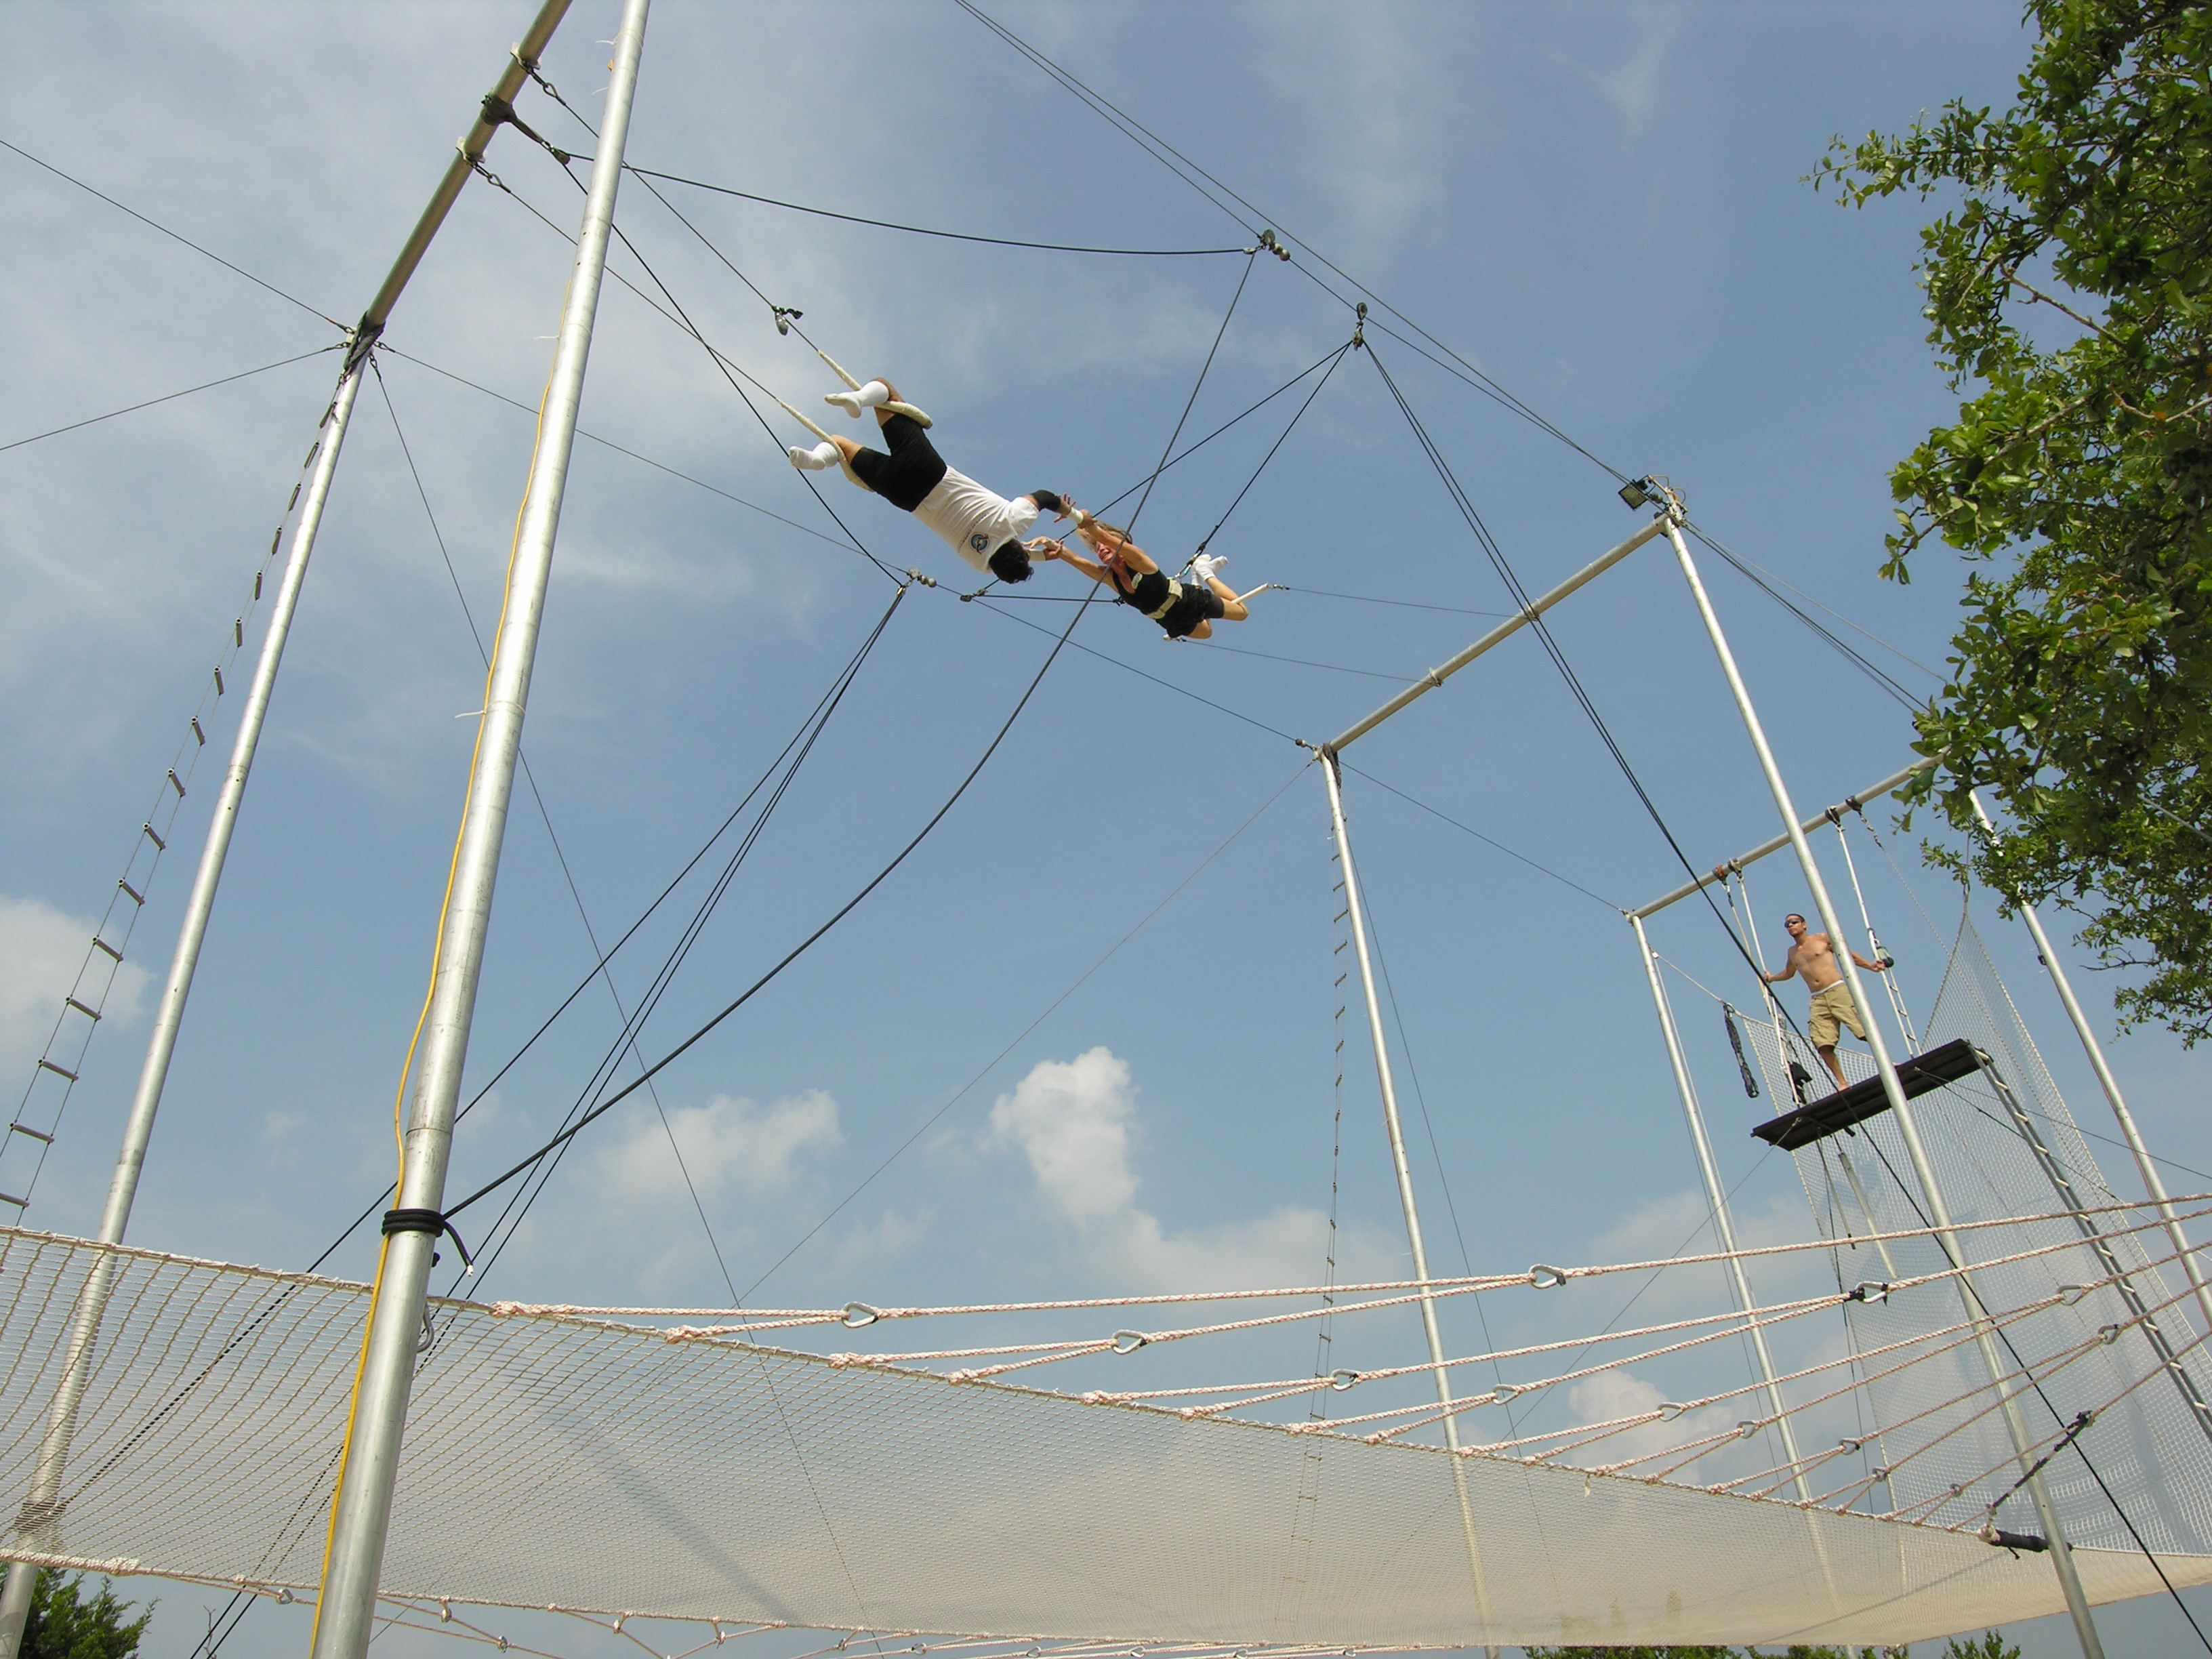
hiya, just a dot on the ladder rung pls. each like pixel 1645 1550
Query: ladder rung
pixel 159 844
pixel 10 1198
pixel 257 574
pixel 218 681
pixel 137 897
pixel 89 1013
pixel 106 947
pixel 176 783
pixel 58 1070
pixel 25 1129
pixel 196 732
pixel 238 630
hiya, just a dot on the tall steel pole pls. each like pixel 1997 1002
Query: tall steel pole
pixel 1717 1197
pixel 41 1508
pixel 1406 1189
pixel 2061 1555
pixel 2111 1084
pixel 360 1509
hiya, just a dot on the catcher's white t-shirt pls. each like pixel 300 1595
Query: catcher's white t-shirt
pixel 977 522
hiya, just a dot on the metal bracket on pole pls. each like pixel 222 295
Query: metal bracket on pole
pixel 1938 1215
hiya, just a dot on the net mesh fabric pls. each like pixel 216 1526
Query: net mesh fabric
pixel 1946 1454
pixel 599 1466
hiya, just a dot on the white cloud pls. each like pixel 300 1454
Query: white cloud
pixel 1075 1121
pixel 728 1141
pixel 40 949
pixel 1611 1395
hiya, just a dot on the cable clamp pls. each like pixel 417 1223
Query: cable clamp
pixel 1269 245
pixel 784 317
pixel 428 1221
pixel 915 576
pixel 1358 325
pixel 497 112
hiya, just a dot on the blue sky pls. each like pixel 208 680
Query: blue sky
pixel 1601 206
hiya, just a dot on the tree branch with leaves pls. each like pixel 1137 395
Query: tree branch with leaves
pixel 2069 304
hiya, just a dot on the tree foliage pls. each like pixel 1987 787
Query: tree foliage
pixel 2068 302
pixel 63 1625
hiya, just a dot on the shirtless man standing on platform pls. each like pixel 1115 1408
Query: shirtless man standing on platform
pixel 1833 1010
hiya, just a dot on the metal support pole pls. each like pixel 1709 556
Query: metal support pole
pixel 1717 1197
pixel 2144 1167
pixel 42 1508
pixel 2061 1555
pixel 1405 1187
pixel 361 1511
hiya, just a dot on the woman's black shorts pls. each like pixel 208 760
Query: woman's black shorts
pixel 1196 605
pixel 909 472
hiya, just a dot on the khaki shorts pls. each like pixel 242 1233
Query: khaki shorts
pixel 1832 1009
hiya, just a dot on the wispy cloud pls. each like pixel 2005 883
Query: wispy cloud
pixel 728 1142
pixel 1076 1122
pixel 40 949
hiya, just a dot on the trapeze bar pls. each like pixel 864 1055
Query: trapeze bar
pixel 1848 805
pixel 1435 676
pixel 1834 1113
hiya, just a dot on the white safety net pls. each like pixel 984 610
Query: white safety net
pixel 2103 1324
pixel 611 1465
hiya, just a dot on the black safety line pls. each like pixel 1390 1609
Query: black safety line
pixel 1542 630
pixel 1288 428
pixel 724 363
pixel 626 1040
pixel 2074 1435
pixel 1882 679
pixel 386 347
pixel 923 230
pixel 171 397
pixel 612 1101
pixel 1184 167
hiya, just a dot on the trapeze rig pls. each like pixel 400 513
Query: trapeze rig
pixel 1668 521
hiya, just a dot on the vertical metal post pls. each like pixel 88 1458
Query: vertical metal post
pixel 2061 1555
pixel 2110 1086
pixel 360 1509
pixel 1717 1197
pixel 42 1508
pixel 1329 771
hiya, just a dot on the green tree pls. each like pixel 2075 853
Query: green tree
pixel 1989 1646
pixel 2068 302
pixel 64 1625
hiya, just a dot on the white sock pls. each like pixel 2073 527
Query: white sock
pixel 874 395
pixel 824 454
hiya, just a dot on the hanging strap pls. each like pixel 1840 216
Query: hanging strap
pixel 1735 1042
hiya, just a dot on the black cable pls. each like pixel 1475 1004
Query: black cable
pixel 797 950
pixel 170 398
pixel 1273 731
pixel 723 363
pixel 1138 511
pixel 1542 630
pixel 1184 167
pixel 171 234
pixel 2004 1335
pixel 608 443
pixel 633 1023
pixel 569 1132
pixel 921 230
pixel 961 1093
pixel 1291 427
pixel 1881 677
